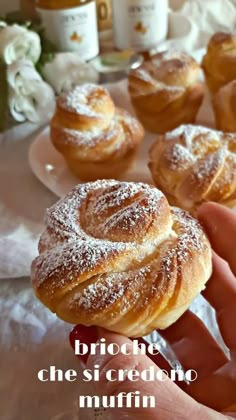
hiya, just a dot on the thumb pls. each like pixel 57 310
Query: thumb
pixel 170 402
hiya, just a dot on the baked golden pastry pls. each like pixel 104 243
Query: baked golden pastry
pixel 97 139
pixel 194 164
pixel 224 105
pixel 116 255
pixel 165 91
pixel 219 63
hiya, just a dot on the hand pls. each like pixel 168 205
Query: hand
pixel 214 391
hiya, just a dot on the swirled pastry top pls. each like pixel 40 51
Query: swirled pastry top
pixel 86 100
pixel 193 164
pixel 118 256
pixel 219 63
pixel 165 91
pixel 171 70
pixel 88 126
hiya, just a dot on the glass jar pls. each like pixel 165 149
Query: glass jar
pixel 71 25
pixel 104 15
pixel 139 24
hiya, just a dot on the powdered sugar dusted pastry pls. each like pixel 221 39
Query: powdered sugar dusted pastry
pixel 97 139
pixel 194 164
pixel 165 91
pixel 219 63
pixel 116 255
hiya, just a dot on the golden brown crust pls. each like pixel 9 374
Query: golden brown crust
pixel 219 63
pixel 224 105
pixel 165 91
pixel 84 106
pixel 194 164
pixel 95 138
pixel 116 255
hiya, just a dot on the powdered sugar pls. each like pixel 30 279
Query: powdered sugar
pixel 179 57
pixel 89 138
pixel 126 287
pixel 64 221
pixel 81 100
pixel 102 293
pixel 153 72
pixel 209 166
pixel 190 132
pixel 189 240
pixel 179 157
pixel 105 267
pixel 108 289
pixel 148 76
pixel 121 128
pixel 198 159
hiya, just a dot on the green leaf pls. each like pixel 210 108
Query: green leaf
pixel 14 17
pixel 48 48
pixel 3 96
pixel 44 59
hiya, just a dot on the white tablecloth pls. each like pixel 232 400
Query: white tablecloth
pixel 31 338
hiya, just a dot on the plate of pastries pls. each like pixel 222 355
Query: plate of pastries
pixel 171 124
pixel 132 163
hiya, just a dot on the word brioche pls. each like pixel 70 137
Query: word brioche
pixel 116 255
pixel 97 139
pixel 194 164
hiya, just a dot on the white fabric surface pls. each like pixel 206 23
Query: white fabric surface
pixel 32 338
pixel 23 200
pixel 192 22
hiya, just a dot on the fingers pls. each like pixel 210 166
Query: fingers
pixel 194 345
pixel 217 390
pixel 163 392
pixel 157 358
pixel 220 225
pixel 221 294
pixel 86 335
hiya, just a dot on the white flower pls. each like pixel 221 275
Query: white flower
pixel 68 70
pixel 2 24
pixel 30 98
pixel 17 42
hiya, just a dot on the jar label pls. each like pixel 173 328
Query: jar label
pixel 140 24
pixel 73 29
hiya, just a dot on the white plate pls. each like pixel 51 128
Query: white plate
pixel 51 169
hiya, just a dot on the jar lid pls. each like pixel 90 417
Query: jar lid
pixel 115 65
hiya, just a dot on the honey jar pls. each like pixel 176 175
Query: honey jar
pixel 71 25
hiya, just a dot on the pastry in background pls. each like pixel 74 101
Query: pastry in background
pixel 97 139
pixel 116 255
pixel 219 63
pixel 224 105
pixel 194 164
pixel 165 91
